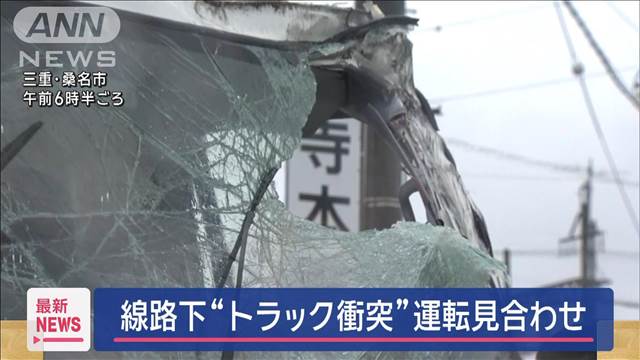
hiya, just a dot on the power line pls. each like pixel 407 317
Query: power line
pixel 497 15
pixel 515 88
pixel 516 157
pixel 578 71
pixel 627 303
pixel 540 178
pixel 625 19
pixel 531 252
pixel 526 160
pixel 610 71
pixel 600 53
pixel 558 253
pixel 622 253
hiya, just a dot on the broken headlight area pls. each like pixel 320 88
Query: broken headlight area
pixel 172 189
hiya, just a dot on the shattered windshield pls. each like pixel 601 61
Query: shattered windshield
pixel 171 189
pixel 151 192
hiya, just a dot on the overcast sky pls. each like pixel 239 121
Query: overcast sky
pixel 485 46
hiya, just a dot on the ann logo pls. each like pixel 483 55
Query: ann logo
pixel 41 24
pixel 60 24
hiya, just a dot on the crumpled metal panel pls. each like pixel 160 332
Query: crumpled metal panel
pixel 384 54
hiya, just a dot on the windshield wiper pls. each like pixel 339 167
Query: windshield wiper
pixel 13 148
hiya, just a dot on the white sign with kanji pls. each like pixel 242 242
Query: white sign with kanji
pixel 58 319
pixel 323 176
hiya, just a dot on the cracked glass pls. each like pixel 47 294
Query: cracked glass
pixel 158 192
pixel 152 193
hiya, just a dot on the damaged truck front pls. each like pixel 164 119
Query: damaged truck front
pixel 172 189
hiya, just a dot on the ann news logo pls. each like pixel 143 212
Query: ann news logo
pixel 66 24
pixel 58 319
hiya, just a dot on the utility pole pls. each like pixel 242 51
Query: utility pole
pixel 507 260
pixel 381 168
pixel 588 234
pixel 587 238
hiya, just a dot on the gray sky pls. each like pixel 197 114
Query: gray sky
pixel 489 45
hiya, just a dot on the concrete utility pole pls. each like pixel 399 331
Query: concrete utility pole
pixel 381 168
pixel 507 260
pixel 587 237
pixel 588 234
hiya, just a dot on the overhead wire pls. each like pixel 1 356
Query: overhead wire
pixel 610 71
pixel 562 167
pixel 517 157
pixel 600 175
pixel 601 55
pixel 518 177
pixel 516 88
pixel 616 176
pixel 578 71
pixel 478 19
pixel 558 253
pixel 625 19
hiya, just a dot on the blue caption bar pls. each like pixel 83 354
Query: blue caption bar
pixel 353 319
